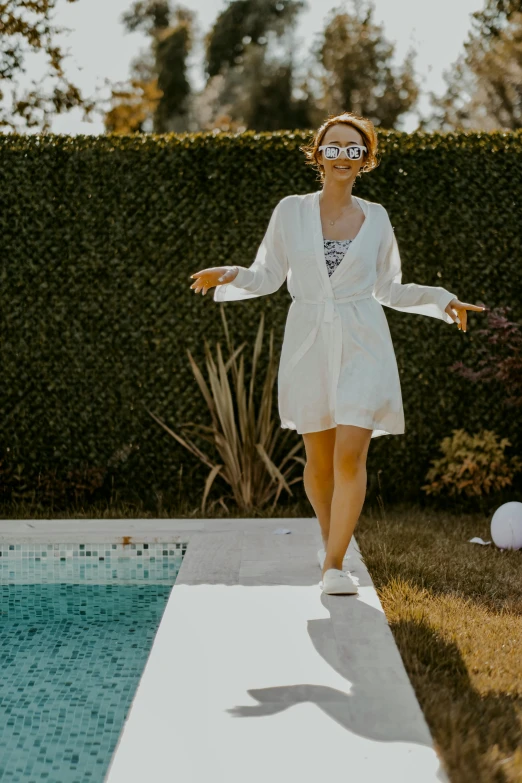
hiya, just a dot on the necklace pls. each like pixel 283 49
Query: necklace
pixel 333 222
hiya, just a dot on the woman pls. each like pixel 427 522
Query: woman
pixel 338 378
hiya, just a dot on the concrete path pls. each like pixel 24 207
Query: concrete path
pixel 255 676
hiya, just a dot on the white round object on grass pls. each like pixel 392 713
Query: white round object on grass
pixel 506 526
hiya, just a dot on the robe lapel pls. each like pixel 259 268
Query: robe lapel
pixel 319 243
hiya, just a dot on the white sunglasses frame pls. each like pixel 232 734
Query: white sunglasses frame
pixel 343 149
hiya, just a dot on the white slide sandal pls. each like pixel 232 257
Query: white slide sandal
pixel 336 582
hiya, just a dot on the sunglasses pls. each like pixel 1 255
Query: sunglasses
pixel 332 151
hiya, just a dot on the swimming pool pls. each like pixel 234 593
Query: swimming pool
pixel 77 622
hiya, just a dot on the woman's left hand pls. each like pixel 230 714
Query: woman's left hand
pixel 461 308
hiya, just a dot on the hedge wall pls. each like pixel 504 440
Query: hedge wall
pixel 99 236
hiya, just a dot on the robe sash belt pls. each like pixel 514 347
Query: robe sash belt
pixel 329 315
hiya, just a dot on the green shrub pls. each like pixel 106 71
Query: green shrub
pixel 99 236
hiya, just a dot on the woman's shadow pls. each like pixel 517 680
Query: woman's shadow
pixel 375 682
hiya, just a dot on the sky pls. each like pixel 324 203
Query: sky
pixel 99 50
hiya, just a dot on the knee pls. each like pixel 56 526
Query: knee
pixel 318 471
pixel 350 462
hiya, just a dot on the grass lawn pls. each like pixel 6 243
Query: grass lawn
pixel 455 610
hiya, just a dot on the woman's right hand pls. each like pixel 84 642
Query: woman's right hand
pixel 213 276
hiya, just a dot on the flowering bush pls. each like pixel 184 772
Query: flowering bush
pixel 472 465
pixel 504 363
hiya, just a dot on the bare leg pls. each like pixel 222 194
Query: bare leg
pixel 350 476
pixel 319 489
pixel 318 476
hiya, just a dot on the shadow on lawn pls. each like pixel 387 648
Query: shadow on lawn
pixel 478 735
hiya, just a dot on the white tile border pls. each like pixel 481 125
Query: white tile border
pixel 22 531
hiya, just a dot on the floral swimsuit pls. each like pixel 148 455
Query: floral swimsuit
pixel 334 252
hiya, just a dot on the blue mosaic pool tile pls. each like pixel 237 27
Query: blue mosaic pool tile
pixel 72 655
pixel 100 563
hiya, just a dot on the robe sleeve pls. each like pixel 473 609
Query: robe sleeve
pixel 268 271
pixel 406 297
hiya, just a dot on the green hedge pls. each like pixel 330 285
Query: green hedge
pixel 99 237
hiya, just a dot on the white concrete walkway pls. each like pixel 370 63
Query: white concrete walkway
pixel 255 676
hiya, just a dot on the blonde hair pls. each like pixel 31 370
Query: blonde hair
pixel 361 124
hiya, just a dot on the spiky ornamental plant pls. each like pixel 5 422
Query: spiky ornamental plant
pixel 247 438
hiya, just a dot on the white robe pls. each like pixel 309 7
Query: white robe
pixel 337 363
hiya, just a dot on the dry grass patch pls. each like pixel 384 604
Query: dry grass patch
pixel 454 609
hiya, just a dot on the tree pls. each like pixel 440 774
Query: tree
pixel 158 93
pixel 491 21
pixel 245 22
pixel 250 84
pixel 18 34
pixel 484 86
pixel 134 104
pixel 357 72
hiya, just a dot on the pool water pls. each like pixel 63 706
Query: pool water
pixel 75 634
